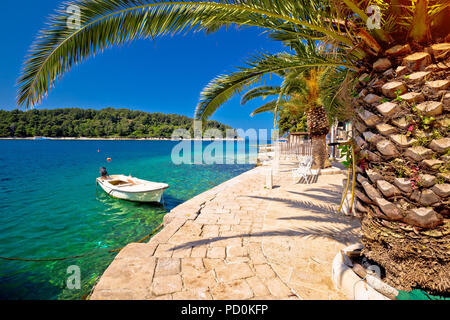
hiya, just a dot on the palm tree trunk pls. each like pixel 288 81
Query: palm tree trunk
pixel 403 186
pixel 318 128
pixel 320 152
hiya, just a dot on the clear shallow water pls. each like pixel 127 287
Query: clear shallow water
pixel 50 207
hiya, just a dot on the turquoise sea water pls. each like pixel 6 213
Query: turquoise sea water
pixel 50 207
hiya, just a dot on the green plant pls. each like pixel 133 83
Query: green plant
pixel 424 122
pixel 345 152
pixel 397 94
pixel 424 140
pixel 440 180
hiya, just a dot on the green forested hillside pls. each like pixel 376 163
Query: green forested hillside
pixel 75 122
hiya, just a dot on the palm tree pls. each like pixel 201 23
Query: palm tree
pixel 405 224
pixel 288 119
pixel 307 86
pixel 301 93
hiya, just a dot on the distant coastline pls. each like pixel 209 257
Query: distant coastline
pixel 104 124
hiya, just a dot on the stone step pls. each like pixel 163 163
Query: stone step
pixel 391 89
pixel 418 76
pixel 402 123
pixel 401 70
pixel 402 140
pixel 437 85
pixel 369 118
pixel 389 209
pixel 417 61
pixel 388 109
pixel 372 157
pixel 386 129
pixel 403 184
pixel 427 180
pixel 387 148
pixel 371 137
pixel 428 198
pixel 442 190
pixel 373 175
pixel 370 190
pixel 423 217
pixel 440 50
pixel 387 189
pixel 418 153
pixel 398 50
pixel 382 64
pixel 440 145
pixel 430 108
pixel 372 98
pixel 433 163
pixel 413 97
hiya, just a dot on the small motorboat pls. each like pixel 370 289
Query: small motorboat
pixel 131 188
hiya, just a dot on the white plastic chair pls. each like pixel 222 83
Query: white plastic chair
pixel 303 170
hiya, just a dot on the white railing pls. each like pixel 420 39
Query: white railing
pixel 285 150
pixel 295 148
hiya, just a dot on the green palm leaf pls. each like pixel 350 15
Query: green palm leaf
pixel 223 88
pixel 105 23
pixel 260 92
pixel 267 107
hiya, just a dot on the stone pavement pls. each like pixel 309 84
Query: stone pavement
pixel 240 241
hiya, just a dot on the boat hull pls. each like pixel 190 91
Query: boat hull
pixel 147 197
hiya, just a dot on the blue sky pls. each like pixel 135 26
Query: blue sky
pixel 162 76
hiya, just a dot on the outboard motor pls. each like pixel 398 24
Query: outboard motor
pixel 103 172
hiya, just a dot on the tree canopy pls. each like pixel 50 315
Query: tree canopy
pixel 109 122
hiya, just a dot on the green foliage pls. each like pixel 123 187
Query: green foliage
pixel 403 169
pixel 397 96
pixel 221 89
pixel 424 140
pixel 424 122
pixel 301 89
pixel 291 121
pixel 74 122
pixel 346 152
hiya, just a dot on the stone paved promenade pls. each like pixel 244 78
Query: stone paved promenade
pixel 240 241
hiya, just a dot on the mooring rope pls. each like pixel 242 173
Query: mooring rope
pixel 83 255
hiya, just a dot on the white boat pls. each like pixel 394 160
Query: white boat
pixel 131 188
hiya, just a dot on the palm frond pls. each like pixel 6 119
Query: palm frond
pixel 335 84
pixel 260 92
pixel 224 87
pixel 105 23
pixel 267 107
